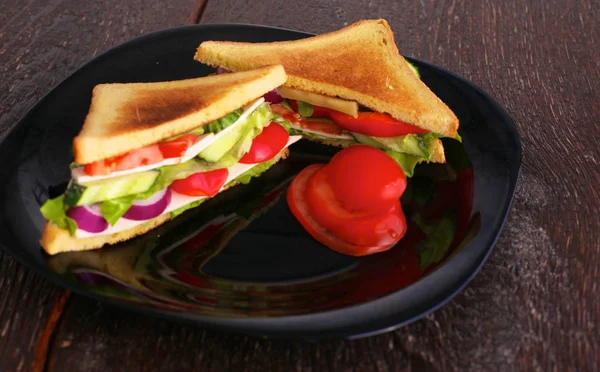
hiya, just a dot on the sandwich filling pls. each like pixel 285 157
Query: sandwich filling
pixel 343 123
pixel 171 176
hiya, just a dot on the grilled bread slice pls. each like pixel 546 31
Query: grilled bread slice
pixel 125 117
pixel 360 63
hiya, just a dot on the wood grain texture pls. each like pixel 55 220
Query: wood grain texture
pixel 42 42
pixel 46 338
pixel 98 338
pixel 533 306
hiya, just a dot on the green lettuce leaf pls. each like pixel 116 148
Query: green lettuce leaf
pixel 440 234
pixel 413 68
pixel 113 209
pixel 184 208
pixel 54 211
pixel 255 171
pixel 406 161
pixel 305 109
pixel 286 104
pixel 425 142
pixel 284 123
pixel 413 144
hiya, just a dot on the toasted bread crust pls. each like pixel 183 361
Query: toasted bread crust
pixel 360 62
pixel 124 117
pixel 56 240
pixel 437 153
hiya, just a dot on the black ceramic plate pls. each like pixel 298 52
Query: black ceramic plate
pixel 241 262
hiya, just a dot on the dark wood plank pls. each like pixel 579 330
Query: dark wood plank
pixel 95 337
pixel 533 306
pixel 25 307
pixel 41 42
pixel 46 337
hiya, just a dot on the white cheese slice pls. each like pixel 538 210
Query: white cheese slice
pixel 328 135
pixel 341 105
pixel 206 140
pixel 177 200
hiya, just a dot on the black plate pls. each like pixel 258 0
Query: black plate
pixel 260 273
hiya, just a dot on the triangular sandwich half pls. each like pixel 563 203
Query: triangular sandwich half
pixel 149 151
pixel 353 72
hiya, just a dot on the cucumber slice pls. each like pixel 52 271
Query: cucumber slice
pixel 409 144
pixel 220 147
pixel 367 140
pixel 109 188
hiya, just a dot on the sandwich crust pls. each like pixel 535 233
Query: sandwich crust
pixel 360 63
pixel 125 117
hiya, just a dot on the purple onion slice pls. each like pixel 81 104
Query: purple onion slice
pixel 88 217
pixel 147 209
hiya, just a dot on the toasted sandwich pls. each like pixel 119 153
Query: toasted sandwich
pixel 349 86
pixel 149 151
pixel 146 270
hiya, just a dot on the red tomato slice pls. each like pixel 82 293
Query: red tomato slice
pixel 288 115
pixel 299 208
pixel 314 125
pixel 365 178
pixel 201 184
pixel 178 146
pixel 133 159
pixel 144 156
pixel 318 112
pixel 374 124
pixel 266 145
pixel 321 112
pixel 320 126
pixel 294 104
pixel 97 168
pixel 380 227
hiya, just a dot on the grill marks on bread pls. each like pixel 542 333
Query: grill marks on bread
pixel 148 110
pixel 125 117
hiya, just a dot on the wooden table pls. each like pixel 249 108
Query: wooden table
pixel 534 305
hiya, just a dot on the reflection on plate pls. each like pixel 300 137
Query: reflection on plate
pixel 241 262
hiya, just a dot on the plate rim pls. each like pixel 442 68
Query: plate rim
pixel 275 322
